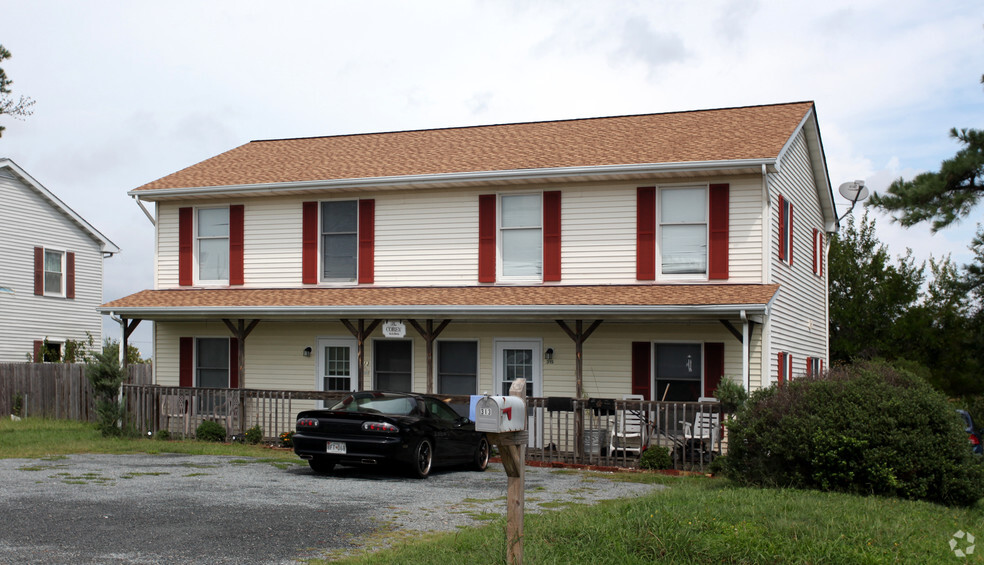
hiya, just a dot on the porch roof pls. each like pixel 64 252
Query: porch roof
pixel 484 302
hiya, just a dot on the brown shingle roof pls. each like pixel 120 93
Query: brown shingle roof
pixel 390 298
pixel 754 132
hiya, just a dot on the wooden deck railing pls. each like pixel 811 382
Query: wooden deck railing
pixel 591 431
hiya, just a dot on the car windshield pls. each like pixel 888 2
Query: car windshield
pixel 377 402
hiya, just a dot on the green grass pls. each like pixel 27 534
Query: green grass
pixel 35 438
pixel 694 520
pixel 700 520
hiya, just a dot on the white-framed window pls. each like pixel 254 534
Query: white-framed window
pixel 521 237
pixel 818 252
pixel 339 240
pixel 457 367
pixel 785 230
pixel 54 273
pixel 682 243
pixel 212 244
pixel 814 366
pixel 785 367
pixel 212 362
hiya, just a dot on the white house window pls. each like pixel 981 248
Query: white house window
pixel 521 236
pixel 679 371
pixel 54 273
pixel 785 230
pixel 457 367
pixel 213 244
pixel 683 231
pixel 212 362
pixel 339 240
pixel 338 368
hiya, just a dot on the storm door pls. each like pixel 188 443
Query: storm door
pixel 521 359
pixel 337 370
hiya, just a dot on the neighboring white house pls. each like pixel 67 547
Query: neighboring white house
pixel 651 254
pixel 51 269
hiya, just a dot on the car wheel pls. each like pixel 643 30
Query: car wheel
pixel 481 460
pixel 423 458
pixel 321 466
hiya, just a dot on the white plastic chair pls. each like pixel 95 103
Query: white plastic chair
pixel 627 434
pixel 704 430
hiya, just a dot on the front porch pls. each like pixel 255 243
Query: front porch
pixel 587 431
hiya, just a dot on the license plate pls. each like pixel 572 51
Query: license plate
pixel 336 447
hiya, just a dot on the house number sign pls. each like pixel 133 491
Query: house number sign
pixel 394 328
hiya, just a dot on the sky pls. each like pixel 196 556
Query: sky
pixel 128 92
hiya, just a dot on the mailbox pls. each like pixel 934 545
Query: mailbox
pixel 500 414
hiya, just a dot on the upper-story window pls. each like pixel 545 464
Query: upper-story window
pixel 54 273
pixel 521 236
pixel 785 230
pixel 682 243
pixel 213 244
pixel 339 240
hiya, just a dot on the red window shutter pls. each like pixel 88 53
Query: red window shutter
pixel 646 233
pixel 642 368
pixel 782 368
pixel 309 240
pixel 809 366
pixel 185 245
pixel 713 367
pixel 717 249
pixel 70 275
pixel 186 361
pixel 38 344
pixel 39 271
pixel 782 228
pixel 233 363
pixel 821 366
pixel 486 238
pixel 367 240
pixel 551 236
pixel 237 238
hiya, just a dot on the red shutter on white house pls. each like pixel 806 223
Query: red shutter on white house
pixel 309 243
pixel 646 233
pixel 816 251
pixel 39 271
pixel 781 374
pixel 367 240
pixel 38 345
pixel 782 228
pixel 237 249
pixel 718 231
pixel 486 238
pixel 809 366
pixel 70 275
pixel 642 368
pixel 185 246
pixel 713 367
pixel 186 361
pixel 551 236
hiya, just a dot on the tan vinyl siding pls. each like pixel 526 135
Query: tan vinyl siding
pixel 798 324
pixel 28 221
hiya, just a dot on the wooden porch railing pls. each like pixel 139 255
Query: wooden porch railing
pixel 614 432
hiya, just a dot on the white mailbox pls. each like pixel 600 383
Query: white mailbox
pixel 500 414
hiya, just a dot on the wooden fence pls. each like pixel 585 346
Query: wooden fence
pixel 604 432
pixel 54 390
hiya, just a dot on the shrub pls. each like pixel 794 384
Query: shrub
pixel 18 407
pixel 209 430
pixel 105 374
pixel 287 439
pixel 656 457
pixel 163 435
pixel 731 394
pixel 254 435
pixel 865 428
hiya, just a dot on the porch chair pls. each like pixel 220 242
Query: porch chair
pixel 176 407
pixel 627 434
pixel 702 435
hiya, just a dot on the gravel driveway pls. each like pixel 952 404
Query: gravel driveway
pixel 209 509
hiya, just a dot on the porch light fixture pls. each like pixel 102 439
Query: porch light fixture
pixel 307 351
pixel 548 355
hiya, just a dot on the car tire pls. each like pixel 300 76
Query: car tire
pixel 481 460
pixel 423 459
pixel 321 466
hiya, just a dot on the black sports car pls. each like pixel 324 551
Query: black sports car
pixel 414 431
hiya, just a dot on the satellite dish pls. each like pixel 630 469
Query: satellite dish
pixel 854 191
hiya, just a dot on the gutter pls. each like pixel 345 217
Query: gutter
pixel 410 181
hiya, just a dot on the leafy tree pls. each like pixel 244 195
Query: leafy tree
pixel 18 108
pixel 871 297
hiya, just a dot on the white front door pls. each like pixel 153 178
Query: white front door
pixel 337 360
pixel 516 359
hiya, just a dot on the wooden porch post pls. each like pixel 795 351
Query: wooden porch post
pixel 241 331
pixel 128 327
pixel 579 336
pixel 361 333
pixel 429 335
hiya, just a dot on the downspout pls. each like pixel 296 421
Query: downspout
pixel 146 213
pixel 746 349
pixel 766 227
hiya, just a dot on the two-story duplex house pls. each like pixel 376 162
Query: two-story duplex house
pixel 649 254
pixel 51 270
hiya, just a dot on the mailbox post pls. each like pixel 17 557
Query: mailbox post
pixel 503 418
